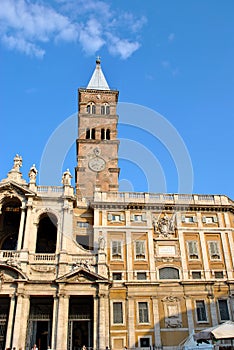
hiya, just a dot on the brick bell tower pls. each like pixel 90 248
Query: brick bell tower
pixel 97 144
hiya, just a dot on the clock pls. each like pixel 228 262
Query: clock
pixel 97 164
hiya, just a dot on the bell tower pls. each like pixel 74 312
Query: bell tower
pixel 97 144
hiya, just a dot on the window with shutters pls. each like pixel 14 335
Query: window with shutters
pixel 143 313
pixel 140 250
pixel 214 250
pixel 138 217
pixel 117 312
pixel 169 273
pixel 201 311
pixel 116 217
pixel 116 249
pixel 193 249
pixel 209 219
pixel 223 310
pixel 189 219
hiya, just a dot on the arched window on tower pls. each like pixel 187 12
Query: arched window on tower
pixel 9 224
pixel 88 134
pixel 91 108
pixel 47 234
pixel 105 109
pixel 105 134
pixel 93 134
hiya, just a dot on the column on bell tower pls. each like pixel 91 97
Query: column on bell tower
pixel 97 143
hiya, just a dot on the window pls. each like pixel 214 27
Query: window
pixel 201 311
pixel 105 109
pixel 117 276
pixel 193 249
pixel 90 134
pixel 116 217
pixel 140 249
pixel 196 275
pixel 105 134
pixel 189 219
pixel 117 312
pixel 214 250
pixel 82 224
pixel 168 273
pixel 138 217
pixel 223 310
pixel 141 275
pixel 91 108
pixel 218 274
pixel 116 250
pixel 209 219
pixel 143 312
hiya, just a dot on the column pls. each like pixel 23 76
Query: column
pixel 101 324
pixel 213 311
pixel 107 318
pixel 10 321
pixel 131 323
pixel 157 333
pixel 62 325
pixel 204 255
pixel 226 254
pixel 129 247
pixel 27 225
pixel 183 255
pixel 21 227
pixel 95 322
pixel 189 309
pixel 20 324
pixel 54 323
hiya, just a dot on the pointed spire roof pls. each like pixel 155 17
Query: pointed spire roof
pixel 98 80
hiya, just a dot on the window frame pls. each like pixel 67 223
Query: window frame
pixel 205 309
pixel 141 255
pixel 118 255
pixel 228 309
pixel 217 250
pixel 193 252
pixel 113 302
pixel 140 310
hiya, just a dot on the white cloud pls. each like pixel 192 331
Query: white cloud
pixel 25 25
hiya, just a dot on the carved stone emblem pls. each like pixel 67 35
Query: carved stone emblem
pixel 165 226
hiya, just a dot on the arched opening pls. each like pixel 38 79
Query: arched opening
pixel 169 273
pixel 47 234
pixel 91 108
pixel 9 224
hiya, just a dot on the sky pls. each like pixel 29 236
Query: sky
pixel 172 62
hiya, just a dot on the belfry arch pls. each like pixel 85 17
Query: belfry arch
pixel 10 223
pixel 47 233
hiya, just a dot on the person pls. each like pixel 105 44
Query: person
pixel 83 347
pixel 35 347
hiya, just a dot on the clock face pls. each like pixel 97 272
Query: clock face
pixel 97 164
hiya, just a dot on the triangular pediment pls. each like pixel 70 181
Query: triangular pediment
pixel 11 189
pixel 81 275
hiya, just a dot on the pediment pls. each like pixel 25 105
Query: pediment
pixel 12 189
pixel 81 275
pixel 10 273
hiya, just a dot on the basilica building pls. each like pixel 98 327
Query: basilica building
pixel 94 266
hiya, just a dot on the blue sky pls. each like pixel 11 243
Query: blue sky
pixel 174 57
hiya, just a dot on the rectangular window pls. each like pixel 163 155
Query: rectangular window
pixel 115 217
pixel 189 219
pixel 143 312
pixel 117 276
pixel 117 312
pixel 223 310
pixel 218 274
pixel 138 217
pixel 82 224
pixel 193 249
pixel 141 275
pixel 201 311
pixel 196 275
pixel 209 219
pixel 140 249
pixel 116 250
pixel 214 250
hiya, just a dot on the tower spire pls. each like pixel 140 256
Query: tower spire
pixel 98 80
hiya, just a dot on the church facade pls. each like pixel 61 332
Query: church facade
pixel 97 267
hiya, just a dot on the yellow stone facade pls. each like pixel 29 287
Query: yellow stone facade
pixel 103 268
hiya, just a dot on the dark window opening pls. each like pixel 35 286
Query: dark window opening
pixel 9 224
pixel 93 134
pixel 47 234
pixel 88 134
pixel 168 273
